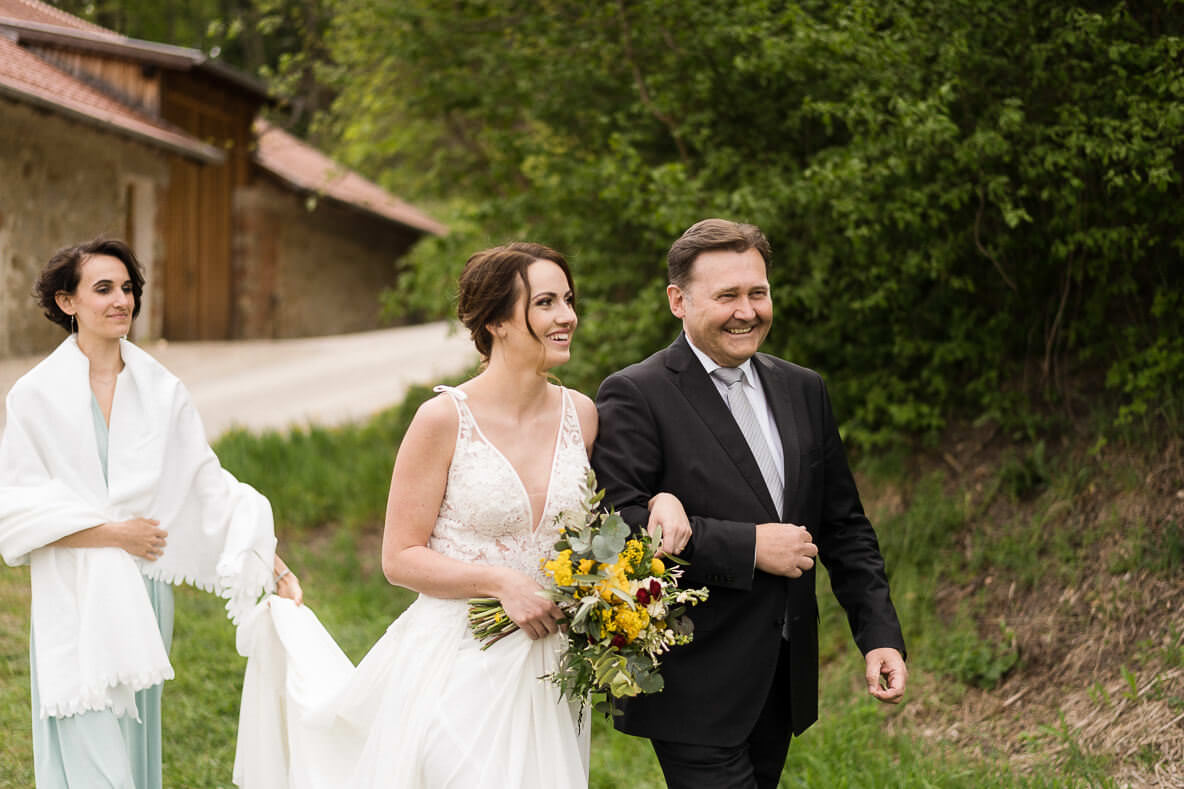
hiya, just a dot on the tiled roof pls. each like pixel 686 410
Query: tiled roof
pixel 305 168
pixel 44 14
pixel 35 22
pixel 28 78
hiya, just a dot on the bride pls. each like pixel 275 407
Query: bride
pixel 482 473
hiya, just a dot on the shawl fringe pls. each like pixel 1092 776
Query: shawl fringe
pixel 105 699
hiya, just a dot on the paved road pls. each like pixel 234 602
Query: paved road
pixel 263 384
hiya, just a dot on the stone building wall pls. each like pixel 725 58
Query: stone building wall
pixel 307 267
pixel 301 266
pixel 63 182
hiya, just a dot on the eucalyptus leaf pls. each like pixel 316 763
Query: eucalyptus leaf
pixel 605 549
pixel 614 527
pixel 650 681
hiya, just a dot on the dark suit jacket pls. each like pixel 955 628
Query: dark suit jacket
pixel 665 427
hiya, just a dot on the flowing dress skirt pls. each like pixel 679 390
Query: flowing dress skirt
pixel 426 707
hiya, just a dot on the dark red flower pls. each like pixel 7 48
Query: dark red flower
pixel 655 588
pixel 618 641
pixel 643 596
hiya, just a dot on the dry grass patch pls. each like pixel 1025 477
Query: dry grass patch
pixel 1081 564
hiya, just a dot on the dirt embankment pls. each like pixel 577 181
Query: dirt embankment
pixel 1095 615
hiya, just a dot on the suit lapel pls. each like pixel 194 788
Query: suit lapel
pixel 777 394
pixel 700 392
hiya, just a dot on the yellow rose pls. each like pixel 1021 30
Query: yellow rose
pixel 656 567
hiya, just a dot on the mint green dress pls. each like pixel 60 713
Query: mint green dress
pixel 97 750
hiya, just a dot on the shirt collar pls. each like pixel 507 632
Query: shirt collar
pixel 710 365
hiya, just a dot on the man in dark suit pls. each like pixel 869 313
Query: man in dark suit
pixel 749 445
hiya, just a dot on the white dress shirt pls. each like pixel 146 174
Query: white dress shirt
pixel 755 393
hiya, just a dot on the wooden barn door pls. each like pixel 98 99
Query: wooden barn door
pixel 198 231
pixel 197 299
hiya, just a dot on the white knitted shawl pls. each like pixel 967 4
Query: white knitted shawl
pixel 97 641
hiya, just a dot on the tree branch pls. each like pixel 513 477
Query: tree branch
pixel 643 91
pixel 1051 337
pixel 978 221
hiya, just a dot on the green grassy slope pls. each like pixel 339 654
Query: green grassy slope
pixel 1039 586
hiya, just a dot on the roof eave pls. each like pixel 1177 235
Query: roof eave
pixel 148 52
pixel 430 229
pixel 200 151
pixel 233 75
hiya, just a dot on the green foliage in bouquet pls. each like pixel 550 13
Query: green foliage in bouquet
pixel 623 606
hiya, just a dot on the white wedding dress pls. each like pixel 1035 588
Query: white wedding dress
pixel 426 707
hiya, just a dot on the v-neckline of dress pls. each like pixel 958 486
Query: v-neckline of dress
pixel 536 525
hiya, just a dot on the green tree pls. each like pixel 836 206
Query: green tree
pixel 974 207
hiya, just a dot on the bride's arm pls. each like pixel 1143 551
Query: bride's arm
pixel 665 509
pixel 417 491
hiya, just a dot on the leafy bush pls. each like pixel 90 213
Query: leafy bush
pixel 969 203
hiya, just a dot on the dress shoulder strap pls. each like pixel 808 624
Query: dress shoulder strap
pixel 465 422
pixel 452 391
pixel 573 434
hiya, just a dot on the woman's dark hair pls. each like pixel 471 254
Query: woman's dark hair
pixel 710 234
pixel 490 283
pixel 64 270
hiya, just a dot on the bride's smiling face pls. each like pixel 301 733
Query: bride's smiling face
pixel 547 320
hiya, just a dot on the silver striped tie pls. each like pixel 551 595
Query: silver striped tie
pixel 746 420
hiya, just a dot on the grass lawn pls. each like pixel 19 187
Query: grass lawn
pixel 851 746
pixel 1039 593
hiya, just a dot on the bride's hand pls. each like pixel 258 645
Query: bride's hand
pixel 289 587
pixel 526 606
pixel 286 583
pixel 667 511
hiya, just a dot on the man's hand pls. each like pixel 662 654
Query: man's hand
pixel 887 664
pixel 667 513
pixel 784 549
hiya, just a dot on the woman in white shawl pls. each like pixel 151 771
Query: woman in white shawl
pixel 110 492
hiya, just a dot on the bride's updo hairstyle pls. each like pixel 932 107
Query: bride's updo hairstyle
pixel 490 284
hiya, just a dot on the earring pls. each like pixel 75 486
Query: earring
pixel 73 325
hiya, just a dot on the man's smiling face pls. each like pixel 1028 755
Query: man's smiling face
pixel 726 309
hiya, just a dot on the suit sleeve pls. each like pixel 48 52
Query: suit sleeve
pixel 629 461
pixel 848 547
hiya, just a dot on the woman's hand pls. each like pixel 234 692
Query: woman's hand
pixel 666 511
pixel 527 607
pixel 286 583
pixel 140 537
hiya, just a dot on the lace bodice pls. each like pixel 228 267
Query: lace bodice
pixel 486 515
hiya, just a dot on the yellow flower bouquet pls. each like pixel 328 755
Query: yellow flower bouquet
pixel 623 606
